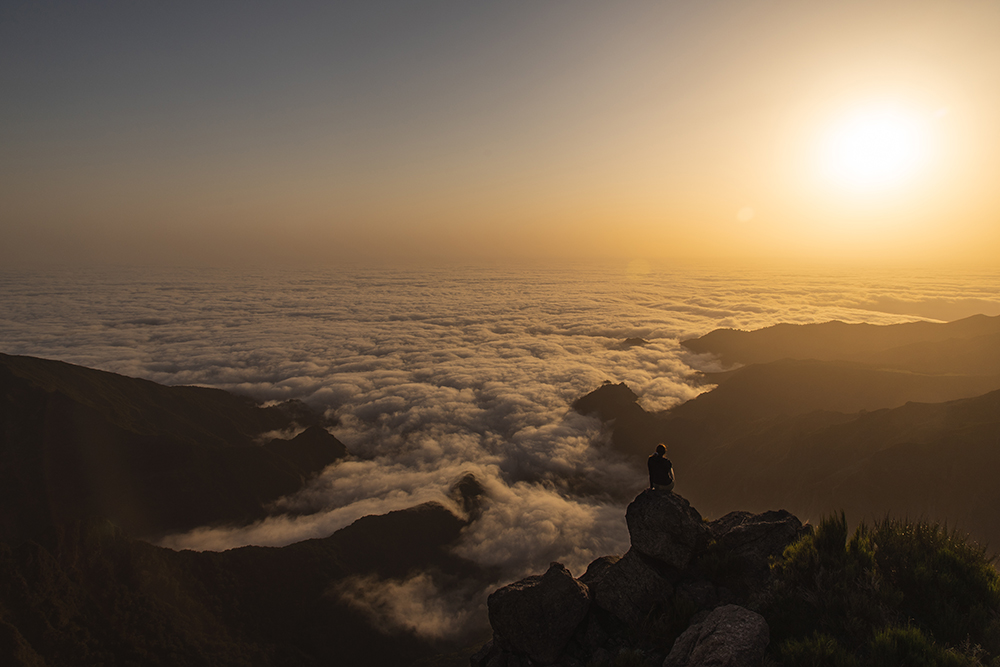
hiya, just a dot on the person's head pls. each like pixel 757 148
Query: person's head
pixel 661 449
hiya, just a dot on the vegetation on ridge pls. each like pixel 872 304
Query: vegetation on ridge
pixel 896 593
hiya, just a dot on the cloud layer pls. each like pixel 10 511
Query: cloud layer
pixel 434 374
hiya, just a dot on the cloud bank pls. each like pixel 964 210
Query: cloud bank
pixel 434 374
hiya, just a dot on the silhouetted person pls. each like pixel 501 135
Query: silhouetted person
pixel 661 471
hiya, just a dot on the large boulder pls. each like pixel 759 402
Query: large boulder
pixel 730 636
pixel 597 569
pixel 664 526
pixel 630 587
pixel 537 616
pixel 753 539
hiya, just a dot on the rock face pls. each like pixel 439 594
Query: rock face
pixel 636 430
pixel 629 588
pixel 730 636
pixel 609 401
pixel 664 526
pixel 596 570
pixel 538 615
pixel 752 539
pixel 678 568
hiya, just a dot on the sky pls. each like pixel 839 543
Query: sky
pixel 760 131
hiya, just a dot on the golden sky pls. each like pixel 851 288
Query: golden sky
pixel 411 131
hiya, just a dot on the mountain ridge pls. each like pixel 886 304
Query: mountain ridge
pixel 834 340
pixel 77 442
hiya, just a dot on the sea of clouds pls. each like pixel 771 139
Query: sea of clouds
pixel 436 373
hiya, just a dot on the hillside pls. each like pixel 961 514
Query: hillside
pixel 96 597
pixel 91 460
pixel 929 460
pixel 77 443
pixel 826 433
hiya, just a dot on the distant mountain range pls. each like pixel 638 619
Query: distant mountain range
pixel 965 346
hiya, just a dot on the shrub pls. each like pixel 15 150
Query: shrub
pixel 896 593
pixel 823 585
pixel 817 651
pixel 944 581
pixel 891 647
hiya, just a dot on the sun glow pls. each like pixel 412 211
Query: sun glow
pixel 874 149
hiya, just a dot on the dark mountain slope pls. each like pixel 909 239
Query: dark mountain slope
pixel 98 597
pixel 930 460
pixel 979 355
pixel 790 387
pixel 198 415
pixel 78 443
pixel 937 461
pixel 790 426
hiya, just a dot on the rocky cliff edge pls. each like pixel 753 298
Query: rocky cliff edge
pixel 682 596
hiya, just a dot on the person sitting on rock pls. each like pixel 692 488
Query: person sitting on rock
pixel 661 471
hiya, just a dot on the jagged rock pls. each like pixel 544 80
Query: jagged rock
pixel 537 615
pixel 597 569
pixel 610 401
pixel 629 343
pixel 702 593
pixel 752 539
pixel 664 526
pixel 730 636
pixel 595 632
pixel 635 431
pixel 468 493
pixel 677 561
pixel 630 587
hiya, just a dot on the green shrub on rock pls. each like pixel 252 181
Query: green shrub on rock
pixel 898 592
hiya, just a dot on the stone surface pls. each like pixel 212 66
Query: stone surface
pixel 597 569
pixel 664 526
pixel 537 615
pixel 481 658
pixel 730 636
pixel 753 539
pixel 704 594
pixel 632 586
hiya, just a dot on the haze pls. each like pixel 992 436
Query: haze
pixel 184 133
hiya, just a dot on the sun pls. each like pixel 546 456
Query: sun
pixel 875 148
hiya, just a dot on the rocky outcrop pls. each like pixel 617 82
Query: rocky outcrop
pixel 596 570
pixel 537 616
pixel 635 430
pixel 665 527
pixel 730 636
pixel 751 540
pixel 632 586
pixel 679 569
pixel 629 343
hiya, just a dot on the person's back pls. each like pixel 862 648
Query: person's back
pixel 661 470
